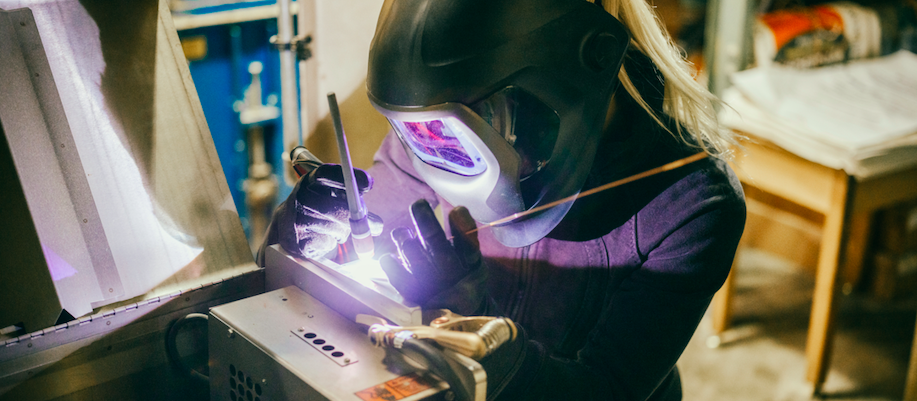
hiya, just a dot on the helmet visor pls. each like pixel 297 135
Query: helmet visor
pixel 529 125
pixel 443 143
pixel 517 116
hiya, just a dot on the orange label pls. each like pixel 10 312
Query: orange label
pixel 395 389
pixel 788 24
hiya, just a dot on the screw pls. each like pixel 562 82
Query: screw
pixel 346 360
pixel 30 345
pixel 110 289
pixel 187 299
pixel 108 323
pixel 301 329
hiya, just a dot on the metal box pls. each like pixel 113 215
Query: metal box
pixel 285 345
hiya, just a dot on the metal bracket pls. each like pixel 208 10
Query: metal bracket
pixel 300 45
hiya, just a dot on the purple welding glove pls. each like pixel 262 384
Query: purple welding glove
pixel 315 217
pixel 432 272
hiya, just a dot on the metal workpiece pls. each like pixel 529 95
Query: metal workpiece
pixel 254 350
pixel 352 289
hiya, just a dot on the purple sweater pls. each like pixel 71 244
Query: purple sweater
pixel 611 299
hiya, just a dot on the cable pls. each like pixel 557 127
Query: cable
pixel 172 349
pixel 437 364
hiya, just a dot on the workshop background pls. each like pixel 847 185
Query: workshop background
pixel 759 353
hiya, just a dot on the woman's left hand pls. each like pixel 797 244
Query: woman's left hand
pixel 432 272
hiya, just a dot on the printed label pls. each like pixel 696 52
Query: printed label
pixel 395 389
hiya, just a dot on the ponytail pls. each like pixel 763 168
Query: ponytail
pixel 687 101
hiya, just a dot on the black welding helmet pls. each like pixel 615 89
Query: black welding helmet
pixel 499 103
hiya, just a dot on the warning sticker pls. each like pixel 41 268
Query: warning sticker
pixel 395 389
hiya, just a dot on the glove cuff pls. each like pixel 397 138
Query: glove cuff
pixel 465 297
pixel 512 367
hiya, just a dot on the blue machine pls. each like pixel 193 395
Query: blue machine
pixel 220 68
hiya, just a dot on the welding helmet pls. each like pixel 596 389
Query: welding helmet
pixel 499 103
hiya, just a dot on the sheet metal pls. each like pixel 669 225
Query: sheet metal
pixel 114 155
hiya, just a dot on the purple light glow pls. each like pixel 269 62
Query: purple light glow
pixel 435 139
pixel 58 267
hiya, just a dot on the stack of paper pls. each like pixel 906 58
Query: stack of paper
pixel 860 116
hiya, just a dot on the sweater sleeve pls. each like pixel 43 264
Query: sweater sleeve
pixel 685 238
pixel 396 185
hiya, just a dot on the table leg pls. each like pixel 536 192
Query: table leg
pixel 819 341
pixel 721 309
pixel 722 303
pixel 858 233
pixel 910 389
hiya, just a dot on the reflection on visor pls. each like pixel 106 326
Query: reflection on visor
pixel 442 143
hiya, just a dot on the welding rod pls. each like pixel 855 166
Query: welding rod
pixel 359 225
pixel 661 169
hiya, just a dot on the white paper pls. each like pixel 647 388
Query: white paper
pixel 854 105
pixel 860 117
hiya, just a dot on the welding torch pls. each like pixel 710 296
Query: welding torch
pixel 359 222
pixel 304 161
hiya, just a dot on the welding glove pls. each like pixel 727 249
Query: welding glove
pixel 315 218
pixel 432 272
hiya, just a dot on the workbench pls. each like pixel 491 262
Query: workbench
pixel 847 203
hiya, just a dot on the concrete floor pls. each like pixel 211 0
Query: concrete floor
pixel 763 357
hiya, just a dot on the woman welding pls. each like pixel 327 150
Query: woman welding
pixel 506 113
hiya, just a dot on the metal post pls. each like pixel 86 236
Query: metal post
pixel 288 98
pixel 307 103
pixel 727 40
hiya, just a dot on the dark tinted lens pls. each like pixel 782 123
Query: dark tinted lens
pixel 525 122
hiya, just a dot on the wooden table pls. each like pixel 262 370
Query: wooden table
pixel 847 204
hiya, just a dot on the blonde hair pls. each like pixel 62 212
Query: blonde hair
pixel 687 101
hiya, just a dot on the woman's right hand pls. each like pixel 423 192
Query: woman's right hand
pixel 315 218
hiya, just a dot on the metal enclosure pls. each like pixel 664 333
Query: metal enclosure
pixel 301 339
pixel 107 161
pixel 285 344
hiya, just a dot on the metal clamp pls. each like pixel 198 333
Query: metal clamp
pixel 472 336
